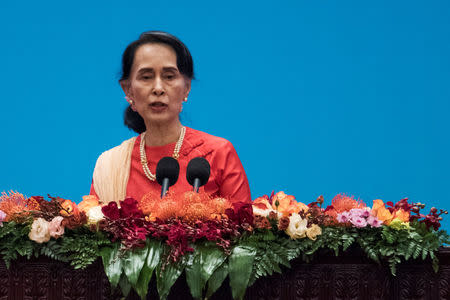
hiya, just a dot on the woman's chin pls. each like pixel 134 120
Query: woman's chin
pixel 160 118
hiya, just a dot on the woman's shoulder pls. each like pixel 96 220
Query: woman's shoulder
pixel 204 142
pixel 125 146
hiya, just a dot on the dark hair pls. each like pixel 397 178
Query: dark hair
pixel 184 63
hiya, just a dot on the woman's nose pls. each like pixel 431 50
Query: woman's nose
pixel 158 89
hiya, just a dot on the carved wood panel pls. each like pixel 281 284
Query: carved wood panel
pixel 344 278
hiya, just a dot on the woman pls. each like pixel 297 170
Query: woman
pixel 157 70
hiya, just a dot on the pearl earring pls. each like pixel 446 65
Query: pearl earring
pixel 185 99
pixel 129 100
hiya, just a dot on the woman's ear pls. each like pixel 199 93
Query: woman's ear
pixel 188 87
pixel 125 84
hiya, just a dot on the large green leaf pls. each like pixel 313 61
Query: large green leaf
pixel 112 263
pixel 206 259
pixel 240 265
pixel 211 258
pixel 194 275
pixel 125 285
pixel 152 260
pixel 167 275
pixel 216 279
pixel 133 261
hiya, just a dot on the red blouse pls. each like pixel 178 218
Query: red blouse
pixel 227 177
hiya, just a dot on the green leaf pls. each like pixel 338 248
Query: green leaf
pixel 240 268
pixel 112 263
pixel 211 258
pixel 194 275
pixel 152 260
pixel 216 279
pixel 435 264
pixel 125 285
pixel 206 259
pixel 166 277
pixel 133 261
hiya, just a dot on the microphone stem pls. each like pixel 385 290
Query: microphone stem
pixel 165 187
pixel 196 184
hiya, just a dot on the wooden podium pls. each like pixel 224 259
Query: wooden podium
pixel 349 276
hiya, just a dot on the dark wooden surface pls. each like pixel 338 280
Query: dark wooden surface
pixel 349 276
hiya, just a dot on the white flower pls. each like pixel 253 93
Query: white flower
pixel 297 226
pixel 265 212
pixel 39 231
pixel 95 215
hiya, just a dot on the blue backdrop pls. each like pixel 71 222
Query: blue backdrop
pixel 318 97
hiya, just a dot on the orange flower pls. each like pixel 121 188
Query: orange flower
pixel 69 208
pixel 341 203
pixel 13 205
pixel 189 206
pixel 402 215
pixel 286 204
pixel 88 202
pixel 380 211
pixel 261 207
pixel 261 203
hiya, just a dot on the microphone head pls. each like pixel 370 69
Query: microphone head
pixel 198 168
pixel 167 167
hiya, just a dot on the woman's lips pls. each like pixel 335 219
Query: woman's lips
pixel 158 107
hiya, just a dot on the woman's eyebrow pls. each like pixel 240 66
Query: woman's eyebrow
pixel 165 69
pixel 144 70
pixel 170 69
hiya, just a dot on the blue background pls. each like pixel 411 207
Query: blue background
pixel 318 97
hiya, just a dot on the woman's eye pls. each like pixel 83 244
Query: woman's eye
pixel 170 76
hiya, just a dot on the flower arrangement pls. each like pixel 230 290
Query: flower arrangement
pixel 211 238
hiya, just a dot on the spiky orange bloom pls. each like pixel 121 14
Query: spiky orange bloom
pixel 33 204
pixel 341 203
pixel 189 206
pixel 14 205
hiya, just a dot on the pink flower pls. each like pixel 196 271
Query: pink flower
pixel 373 221
pixel 343 217
pixel 358 222
pixel 55 228
pixel 2 217
pixel 359 212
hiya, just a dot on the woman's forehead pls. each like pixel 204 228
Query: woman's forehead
pixel 155 56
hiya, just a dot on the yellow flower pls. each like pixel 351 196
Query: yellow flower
pixel 313 231
pixel 398 224
pixel 297 226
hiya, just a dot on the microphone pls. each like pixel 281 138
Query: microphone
pixel 167 171
pixel 197 173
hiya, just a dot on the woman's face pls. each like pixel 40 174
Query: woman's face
pixel 156 86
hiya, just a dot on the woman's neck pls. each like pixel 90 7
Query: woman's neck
pixel 162 134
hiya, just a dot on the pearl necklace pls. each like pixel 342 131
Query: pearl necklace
pixel 144 162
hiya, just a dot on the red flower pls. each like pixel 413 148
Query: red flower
pixel 242 212
pixel 129 209
pixel 111 211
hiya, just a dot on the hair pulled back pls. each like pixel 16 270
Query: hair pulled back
pixel 185 65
